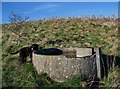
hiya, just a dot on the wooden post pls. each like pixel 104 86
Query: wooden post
pixel 1 57
pixel 98 58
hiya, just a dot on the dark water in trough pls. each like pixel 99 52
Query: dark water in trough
pixel 55 51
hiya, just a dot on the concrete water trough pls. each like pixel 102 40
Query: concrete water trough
pixel 61 63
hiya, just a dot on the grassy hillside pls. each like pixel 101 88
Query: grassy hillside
pixel 71 32
pixel 55 32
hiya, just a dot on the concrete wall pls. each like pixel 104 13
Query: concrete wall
pixel 61 67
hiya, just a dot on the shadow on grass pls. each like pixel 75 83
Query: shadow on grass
pixel 107 62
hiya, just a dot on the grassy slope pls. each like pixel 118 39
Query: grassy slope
pixel 71 32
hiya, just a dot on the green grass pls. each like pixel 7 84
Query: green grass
pixel 73 81
pixel 113 79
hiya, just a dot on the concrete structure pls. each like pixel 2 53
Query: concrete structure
pixel 72 61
